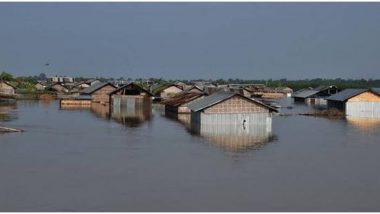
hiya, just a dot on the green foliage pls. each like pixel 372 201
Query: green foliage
pixel 6 76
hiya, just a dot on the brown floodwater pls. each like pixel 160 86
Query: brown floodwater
pixel 92 160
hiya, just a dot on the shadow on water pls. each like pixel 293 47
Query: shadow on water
pixel 235 138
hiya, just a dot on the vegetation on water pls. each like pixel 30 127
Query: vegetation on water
pixel 330 113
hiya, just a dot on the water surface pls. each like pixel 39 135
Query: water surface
pixel 89 160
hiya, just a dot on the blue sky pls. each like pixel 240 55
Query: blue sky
pixel 192 40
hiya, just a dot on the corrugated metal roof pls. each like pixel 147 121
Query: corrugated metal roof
pixel 218 97
pixel 346 94
pixel 141 89
pixel 95 87
pixel 305 93
pixel 377 90
pixel 182 98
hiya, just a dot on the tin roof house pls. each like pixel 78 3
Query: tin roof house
pixel 179 103
pixel 229 109
pixel 315 96
pixel 99 92
pixel 6 88
pixel 7 92
pixel 167 91
pixel 131 97
pixel 356 102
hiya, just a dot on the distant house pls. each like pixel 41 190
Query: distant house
pixel 60 79
pixel 131 96
pixel 81 85
pixel 284 90
pixel 78 102
pixel 100 92
pixel 6 88
pixel 40 86
pixel 194 89
pixel 229 109
pixel 59 88
pixel 181 84
pixel 356 102
pixel 242 90
pixel 167 91
pixel 315 96
pixel 91 82
pixel 179 103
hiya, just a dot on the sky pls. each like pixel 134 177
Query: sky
pixel 250 40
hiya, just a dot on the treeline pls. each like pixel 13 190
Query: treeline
pixel 294 84
pixel 298 84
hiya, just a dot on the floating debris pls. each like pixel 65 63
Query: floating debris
pixel 7 129
pixel 330 113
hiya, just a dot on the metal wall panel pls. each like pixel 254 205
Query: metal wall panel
pixel 363 109
pixel 237 119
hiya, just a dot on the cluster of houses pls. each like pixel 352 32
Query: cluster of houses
pixel 363 103
pixel 209 112
pixel 64 85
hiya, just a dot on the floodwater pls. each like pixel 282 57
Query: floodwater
pixel 89 160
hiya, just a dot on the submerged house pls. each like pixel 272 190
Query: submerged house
pixel 131 96
pixel 229 109
pixel 315 96
pixel 179 103
pixel 100 92
pixel 356 102
pixel 7 92
pixel 194 89
pixel 59 88
pixel 78 102
pixel 167 91
pixel 40 86
pixel 6 88
pixel 284 90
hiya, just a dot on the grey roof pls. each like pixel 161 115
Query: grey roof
pixel 305 93
pixel 377 90
pixel 346 94
pixel 218 97
pixel 95 87
pixel 323 87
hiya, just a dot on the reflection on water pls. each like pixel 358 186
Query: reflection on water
pixel 236 138
pixel 100 110
pixel 364 124
pixel 130 117
pixel 7 112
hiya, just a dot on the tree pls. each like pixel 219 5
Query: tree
pixel 42 77
pixel 6 76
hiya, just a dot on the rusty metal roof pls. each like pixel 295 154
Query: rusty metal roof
pixel 134 85
pixel 182 98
